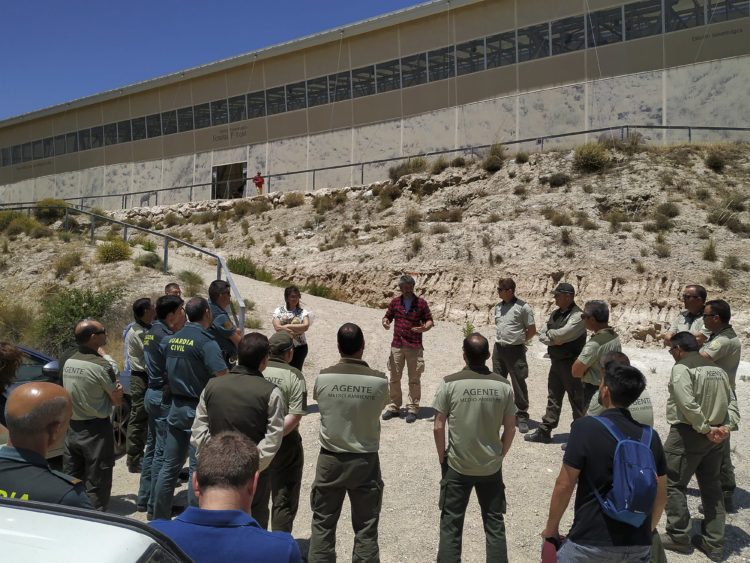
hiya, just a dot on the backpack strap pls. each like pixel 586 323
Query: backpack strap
pixel 609 425
pixel 648 433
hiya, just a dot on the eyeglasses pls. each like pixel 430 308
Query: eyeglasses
pixel 585 316
pixel 704 315
pixel 686 297
pixel 503 289
pixel 672 349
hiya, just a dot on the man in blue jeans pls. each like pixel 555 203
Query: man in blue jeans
pixel 192 357
pixel 170 315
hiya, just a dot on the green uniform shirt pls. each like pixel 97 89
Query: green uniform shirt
pixel 135 340
pixel 601 342
pixel 90 379
pixel 512 319
pixel 292 384
pixel 350 398
pixel 699 395
pixel 687 322
pixel 724 348
pixel 475 400
pixel 641 409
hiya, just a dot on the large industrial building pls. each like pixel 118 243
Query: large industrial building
pixel 440 75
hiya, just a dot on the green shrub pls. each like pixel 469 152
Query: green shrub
pixel 16 321
pixel 318 290
pixel 498 150
pixel 668 209
pixel 520 191
pixel 522 157
pixel 416 244
pixel 412 220
pixel 64 236
pixel 566 236
pixel 66 263
pixel 259 206
pixel 467 329
pixel 662 250
pixel 219 242
pixel 63 309
pixel 101 213
pixel 388 195
pixel 113 251
pixel 450 215
pixel 22 224
pixel 199 218
pixel 492 163
pixel 558 179
pixel 732 262
pixel 241 265
pixel 720 278
pixel 241 208
pixel 293 199
pixel 591 157
pixel 438 165
pixel 709 251
pixel 40 231
pixel 439 229
pixel 150 260
pixel 458 162
pixel 149 245
pixel 493 217
pixel 192 283
pixel 557 218
pixel 48 216
pixel 715 160
pixel 411 166
pixel 7 217
pixel 323 203
pixel 735 202
pixel 253 322
pixel 264 275
pixel 728 219
pixel 171 219
pixel 659 223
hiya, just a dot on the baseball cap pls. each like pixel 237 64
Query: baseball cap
pixel 280 341
pixel 564 288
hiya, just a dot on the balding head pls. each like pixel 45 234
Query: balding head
pixel 91 334
pixel 37 415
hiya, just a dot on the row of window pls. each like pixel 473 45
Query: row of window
pixel 631 21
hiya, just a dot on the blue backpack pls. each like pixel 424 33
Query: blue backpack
pixel 634 478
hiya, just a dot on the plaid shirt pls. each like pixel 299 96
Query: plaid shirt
pixel 405 320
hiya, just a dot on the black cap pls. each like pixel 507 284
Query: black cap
pixel 564 288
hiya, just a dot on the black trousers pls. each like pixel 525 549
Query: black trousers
pixel 89 455
pixel 512 360
pixel 286 482
pixel 561 381
pixel 138 422
pixel 298 359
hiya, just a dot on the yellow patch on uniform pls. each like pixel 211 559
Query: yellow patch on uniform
pixel 715 345
pixel 228 325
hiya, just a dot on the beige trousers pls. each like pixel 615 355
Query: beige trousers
pixel 414 361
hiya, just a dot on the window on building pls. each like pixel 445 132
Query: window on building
pixel 470 57
pixel 5 157
pixel 339 86
pixel 185 119
pixel 276 100
pixel 501 49
pixel 97 137
pixel 296 97
pixel 569 34
pixel 169 122
pixel 604 27
pixel 219 112
pixel 388 76
pixel 683 14
pixel 533 42
pixel 36 150
pixel 138 128
pixel 441 63
pixel 725 10
pixel 26 151
pixel 71 143
pixel 49 143
pixel 414 70
pixel 363 81
pixel 642 19
pixel 153 125
pixel 110 135
pixel 59 145
pixel 202 113
pixel 317 91
pixel 16 156
pixel 237 108
pixel 256 105
pixel 123 132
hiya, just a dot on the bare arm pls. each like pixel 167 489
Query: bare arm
pixel 564 487
pixel 702 353
pixel 236 337
pixel 115 397
pixel 290 422
pixel 578 369
pixel 222 372
pixel 659 502
pixel 530 332
pixel 509 432
pixel 424 328
pixel 300 328
pixel 438 430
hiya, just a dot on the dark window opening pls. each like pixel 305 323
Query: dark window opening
pixel 725 10
pixel 71 142
pixel 138 127
pixel 296 96
pixel 59 145
pixel 169 122
pixel 202 116
pixel 276 100
pixel 237 109
pixel 229 181
pixel 97 137
pixel 37 151
pixel 642 19
pixel 219 112
pixel 123 132
pixel 441 64
pixel 256 104
pixel 470 57
pixel 533 42
pixel 317 91
pixel 185 119
pixel 414 70
pixel 153 125
pixel 501 49
pixel 683 14
pixel 569 35
pixel 110 134
pixel 340 86
pixel 363 81
pixel 388 76
pixel 49 143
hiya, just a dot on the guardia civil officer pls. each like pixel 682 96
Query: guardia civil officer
pixel 350 397
pixel 90 376
pixel 286 468
pixel 192 357
pixel 143 313
pixel 170 317
pixel 702 410
pixel 38 417
pixel 222 328
pixel 476 403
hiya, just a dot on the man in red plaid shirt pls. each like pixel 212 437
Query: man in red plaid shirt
pixel 412 318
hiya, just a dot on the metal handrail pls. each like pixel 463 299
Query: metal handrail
pixel 220 266
pixel 625 131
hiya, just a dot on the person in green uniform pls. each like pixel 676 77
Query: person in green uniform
pixel 701 410
pixel 38 418
pixel 691 319
pixel 350 398
pixel 144 314
pixel 604 339
pixel 514 320
pixel 724 349
pixel 222 328
pixel 476 403
pixel 286 468
pixel 641 409
pixel 90 376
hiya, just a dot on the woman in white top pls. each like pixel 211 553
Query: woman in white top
pixel 295 320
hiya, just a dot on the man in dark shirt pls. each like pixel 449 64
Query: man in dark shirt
pixel 588 460
pixel 412 317
pixel 38 418
pixel 222 328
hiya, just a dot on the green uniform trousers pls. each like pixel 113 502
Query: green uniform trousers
pixel 560 381
pixel 286 482
pixel 455 490
pixel 259 507
pixel 512 360
pixel 689 453
pixel 138 422
pixel 357 475
pixel 728 483
pixel 89 455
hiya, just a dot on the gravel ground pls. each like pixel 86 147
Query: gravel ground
pixel 410 517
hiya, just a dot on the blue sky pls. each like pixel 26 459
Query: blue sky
pixel 55 51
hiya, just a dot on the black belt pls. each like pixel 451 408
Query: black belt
pixel 508 345
pixel 142 374
pixel 346 454
pixel 158 387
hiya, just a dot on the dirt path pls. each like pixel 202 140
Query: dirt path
pixel 410 517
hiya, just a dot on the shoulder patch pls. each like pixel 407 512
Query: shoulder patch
pixel 65 477
pixel 228 325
